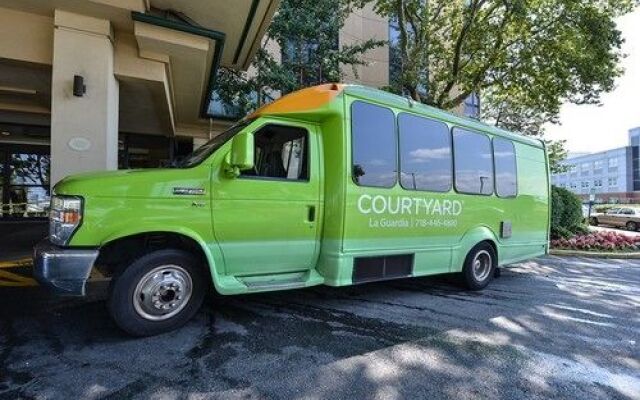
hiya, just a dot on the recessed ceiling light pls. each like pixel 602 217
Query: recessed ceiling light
pixel 5 133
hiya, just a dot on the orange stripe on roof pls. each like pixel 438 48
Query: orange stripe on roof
pixel 302 100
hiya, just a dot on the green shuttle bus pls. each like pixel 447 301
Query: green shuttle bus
pixel 331 185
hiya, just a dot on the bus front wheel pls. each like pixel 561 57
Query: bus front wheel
pixel 479 267
pixel 157 293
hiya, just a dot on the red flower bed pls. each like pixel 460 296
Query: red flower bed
pixel 598 241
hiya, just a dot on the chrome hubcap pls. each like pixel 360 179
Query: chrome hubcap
pixel 482 263
pixel 162 292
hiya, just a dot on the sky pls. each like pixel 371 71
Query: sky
pixel 590 128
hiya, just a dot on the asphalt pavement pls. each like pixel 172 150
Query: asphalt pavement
pixel 548 328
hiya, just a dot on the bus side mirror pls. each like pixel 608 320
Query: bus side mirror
pixel 241 157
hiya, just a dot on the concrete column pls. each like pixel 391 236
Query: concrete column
pixel 84 130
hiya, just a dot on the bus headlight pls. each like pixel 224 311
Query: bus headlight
pixel 64 218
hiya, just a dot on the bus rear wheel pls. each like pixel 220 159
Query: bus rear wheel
pixel 157 293
pixel 479 267
pixel 632 226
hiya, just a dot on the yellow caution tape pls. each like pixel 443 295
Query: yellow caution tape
pixel 16 280
pixel 24 262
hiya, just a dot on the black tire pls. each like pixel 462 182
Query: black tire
pixel 121 297
pixel 632 226
pixel 594 221
pixel 474 280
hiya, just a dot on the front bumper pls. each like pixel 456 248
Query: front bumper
pixel 64 270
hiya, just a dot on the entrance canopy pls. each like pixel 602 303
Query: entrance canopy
pixel 165 55
pixel 90 80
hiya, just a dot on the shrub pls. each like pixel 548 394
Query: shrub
pixel 566 214
pixel 581 229
pixel 556 208
pixel 561 232
pixel 598 241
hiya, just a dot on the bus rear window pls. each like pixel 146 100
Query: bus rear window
pixel 504 156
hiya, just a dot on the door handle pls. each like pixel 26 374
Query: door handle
pixel 311 213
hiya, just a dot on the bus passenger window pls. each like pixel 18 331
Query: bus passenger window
pixel 373 139
pixel 281 153
pixel 473 162
pixel 504 156
pixel 425 154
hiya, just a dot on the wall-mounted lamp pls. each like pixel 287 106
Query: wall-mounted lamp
pixel 79 88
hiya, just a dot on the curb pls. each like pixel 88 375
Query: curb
pixel 595 254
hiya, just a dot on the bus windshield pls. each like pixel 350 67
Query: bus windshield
pixel 204 151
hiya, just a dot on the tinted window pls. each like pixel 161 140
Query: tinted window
pixel 425 154
pixel 473 162
pixel 280 152
pixel 504 158
pixel 373 140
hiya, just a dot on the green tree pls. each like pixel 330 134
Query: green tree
pixel 525 57
pixel 307 33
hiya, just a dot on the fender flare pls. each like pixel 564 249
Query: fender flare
pixel 468 241
pixel 191 234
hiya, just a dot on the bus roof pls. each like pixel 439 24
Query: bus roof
pixel 315 97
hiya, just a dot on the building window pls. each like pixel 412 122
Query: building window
pixel 24 181
pixel 473 162
pixel 585 168
pixel 237 108
pixel 472 106
pixel 299 54
pixel 504 159
pixel 613 181
pixel 573 169
pixel 597 183
pixel 613 162
pixel 425 154
pixel 374 152
pixel 598 165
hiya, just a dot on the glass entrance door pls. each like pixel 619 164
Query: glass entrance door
pixel 24 181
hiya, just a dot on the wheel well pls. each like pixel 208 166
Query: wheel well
pixel 494 247
pixel 116 255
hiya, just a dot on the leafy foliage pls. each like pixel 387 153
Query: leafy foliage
pixel 306 31
pixel 525 57
pixel 557 154
pixel 533 53
pixel 566 213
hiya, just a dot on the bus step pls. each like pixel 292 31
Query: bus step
pixel 289 280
